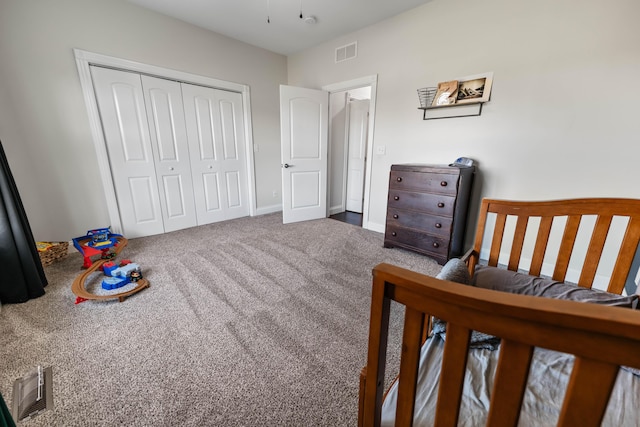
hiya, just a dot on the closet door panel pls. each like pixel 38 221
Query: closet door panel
pixel 168 132
pixel 205 125
pixel 142 192
pixel 215 131
pixel 122 110
pixel 174 195
pixel 212 202
pixel 229 137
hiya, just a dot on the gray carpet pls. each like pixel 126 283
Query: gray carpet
pixel 247 322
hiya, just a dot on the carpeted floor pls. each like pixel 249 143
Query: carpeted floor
pixel 247 322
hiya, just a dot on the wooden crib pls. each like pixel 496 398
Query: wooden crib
pixel 597 339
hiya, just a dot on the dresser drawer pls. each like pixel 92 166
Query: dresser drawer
pixel 432 224
pixel 436 204
pixel 416 240
pixel 427 182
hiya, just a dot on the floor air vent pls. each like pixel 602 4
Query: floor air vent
pixel 33 393
pixel 345 52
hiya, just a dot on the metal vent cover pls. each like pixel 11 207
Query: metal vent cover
pixel 346 52
pixel 33 393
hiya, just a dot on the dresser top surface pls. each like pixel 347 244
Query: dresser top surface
pixel 423 167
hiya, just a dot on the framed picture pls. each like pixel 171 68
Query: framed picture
pixel 476 88
pixel 446 94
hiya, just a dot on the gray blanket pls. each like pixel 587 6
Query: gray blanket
pixel 548 377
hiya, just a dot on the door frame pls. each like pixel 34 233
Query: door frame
pixel 85 59
pixel 371 81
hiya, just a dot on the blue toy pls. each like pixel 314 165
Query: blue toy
pixel 110 283
pixel 96 242
pixel 118 276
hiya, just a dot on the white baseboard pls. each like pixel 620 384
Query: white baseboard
pixel 373 226
pixel 268 209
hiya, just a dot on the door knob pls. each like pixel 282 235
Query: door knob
pixel 287 165
pixel 171 168
pixel 210 167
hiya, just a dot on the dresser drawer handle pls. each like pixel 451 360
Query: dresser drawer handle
pixel 441 205
pixel 395 216
pixel 438 225
pixel 393 233
pixel 443 183
pixel 436 245
pixel 396 197
pixel 399 179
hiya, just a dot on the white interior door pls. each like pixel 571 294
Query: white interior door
pixel 168 133
pixel 304 128
pixel 358 124
pixel 215 130
pixel 122 109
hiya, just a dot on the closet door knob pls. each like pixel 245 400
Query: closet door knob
pixel 393 233
pixel 396 198
pixel 395 216
pixel 171 168
pixel 210 167
pixel 441 205
pixel 438 225
pixel 443 183
pixel 399 179
pixel 436 245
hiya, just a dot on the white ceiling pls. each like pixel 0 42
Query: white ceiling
pixel 246 20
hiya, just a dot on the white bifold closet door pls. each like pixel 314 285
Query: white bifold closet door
pixel 217 151
pixel 160 186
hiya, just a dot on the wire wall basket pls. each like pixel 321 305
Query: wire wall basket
pixel 426 95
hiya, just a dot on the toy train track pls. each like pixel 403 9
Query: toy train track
pixel 79 284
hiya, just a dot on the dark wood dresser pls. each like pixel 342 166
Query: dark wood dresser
pixel 427 209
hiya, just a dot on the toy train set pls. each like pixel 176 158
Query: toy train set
pixel 108 245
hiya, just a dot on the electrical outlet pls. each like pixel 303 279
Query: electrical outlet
pixel 381 150
pixel 275 194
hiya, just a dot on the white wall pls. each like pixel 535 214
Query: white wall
pixel 563 117
pixel 43 119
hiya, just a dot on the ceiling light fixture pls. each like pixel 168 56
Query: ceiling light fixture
pixel 309 19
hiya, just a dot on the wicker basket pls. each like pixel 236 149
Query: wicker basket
pixel 50 252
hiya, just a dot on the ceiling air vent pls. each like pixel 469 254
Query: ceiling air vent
pixel 345 52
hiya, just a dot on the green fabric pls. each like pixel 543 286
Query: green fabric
pixel 5 415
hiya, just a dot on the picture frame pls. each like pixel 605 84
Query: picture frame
pixel 475 88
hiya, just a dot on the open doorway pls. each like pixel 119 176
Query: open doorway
pixel 349 140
